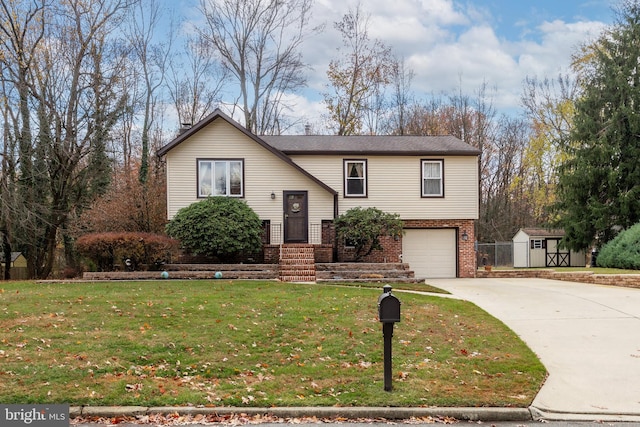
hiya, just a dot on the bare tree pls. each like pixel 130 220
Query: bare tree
pixel 356 79
pixel 21 34
pixel 401 97
pixel 152 59
pixel 72 103
pixel 195 81
pixel 259 42
pixel 549 106
pixel 504 208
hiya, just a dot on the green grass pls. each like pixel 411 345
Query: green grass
pixel 251 343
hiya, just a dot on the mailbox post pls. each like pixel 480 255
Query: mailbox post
pixel 388 313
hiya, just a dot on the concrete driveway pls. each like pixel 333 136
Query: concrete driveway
pixel 587 336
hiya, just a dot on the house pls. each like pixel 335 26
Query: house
pixel 540 247
pixel 17 265
pixel 299 184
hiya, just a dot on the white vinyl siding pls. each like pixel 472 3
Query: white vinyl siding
pixel 395 185
pixel 264 173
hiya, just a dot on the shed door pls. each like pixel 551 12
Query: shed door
pixel 295 217
pixel 431 253
pixel 556 257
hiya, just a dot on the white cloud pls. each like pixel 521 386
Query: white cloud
pixel 451 45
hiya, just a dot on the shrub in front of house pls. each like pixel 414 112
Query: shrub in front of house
pixel 126 250
pixel 221 227
pixel 623 251
pixel 363 228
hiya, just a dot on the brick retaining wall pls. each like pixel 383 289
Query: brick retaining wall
pixel 626 280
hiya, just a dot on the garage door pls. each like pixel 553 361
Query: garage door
pixel 430 253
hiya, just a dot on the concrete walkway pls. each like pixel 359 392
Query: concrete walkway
pixel 587 336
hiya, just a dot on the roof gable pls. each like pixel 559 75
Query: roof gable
pixel 216 115
pixel 284 145
pixel 219 115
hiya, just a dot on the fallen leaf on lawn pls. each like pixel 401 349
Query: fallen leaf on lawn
pixel 133 387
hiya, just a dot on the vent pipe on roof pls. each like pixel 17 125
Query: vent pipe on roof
pixel 307 129
pixel 184 127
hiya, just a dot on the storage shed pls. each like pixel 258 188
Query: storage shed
pixel 540 247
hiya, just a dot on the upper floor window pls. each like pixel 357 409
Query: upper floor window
pixel 220 178
pixel 432 178
pixel 355 178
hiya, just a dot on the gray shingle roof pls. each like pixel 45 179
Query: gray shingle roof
pixel 285 145
pixel 543 232
pixel 376 144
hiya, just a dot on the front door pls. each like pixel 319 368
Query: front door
pixel 556 257
pixel 295 217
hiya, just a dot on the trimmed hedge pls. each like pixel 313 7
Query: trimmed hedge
pixel 221 227
pixel 623 251
pixel 127 249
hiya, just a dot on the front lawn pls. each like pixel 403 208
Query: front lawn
pixel 251 343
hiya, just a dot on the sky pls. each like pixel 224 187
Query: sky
pixel 459 45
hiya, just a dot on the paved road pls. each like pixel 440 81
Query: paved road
pixel 399 424
pixel 587 336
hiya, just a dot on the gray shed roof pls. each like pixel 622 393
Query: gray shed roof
pixel 371 144
pixel 543 232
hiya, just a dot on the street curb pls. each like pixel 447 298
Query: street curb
pixel 390 413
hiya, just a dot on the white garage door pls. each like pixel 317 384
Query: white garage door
pixel 430 253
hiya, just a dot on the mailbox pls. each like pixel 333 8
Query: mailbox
pixel 388 306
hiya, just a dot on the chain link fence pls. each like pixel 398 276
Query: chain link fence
pixel 499 254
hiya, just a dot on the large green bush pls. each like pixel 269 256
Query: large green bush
pixel 363 229
pixel 623 251
pixel 223 227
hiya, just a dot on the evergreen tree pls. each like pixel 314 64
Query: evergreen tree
pixel 599 183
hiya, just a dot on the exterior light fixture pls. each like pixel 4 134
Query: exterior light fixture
pixel 465 236
pixel 273 195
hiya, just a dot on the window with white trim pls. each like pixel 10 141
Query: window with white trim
pixel 220 178
pixel 355 178
pixel 432 178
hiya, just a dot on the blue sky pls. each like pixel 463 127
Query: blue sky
pixel 516 18
pixel 454 45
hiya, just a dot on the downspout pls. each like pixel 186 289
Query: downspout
pixel 335 236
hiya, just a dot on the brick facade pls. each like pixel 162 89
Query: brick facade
pixel 332 251
pixel 392 249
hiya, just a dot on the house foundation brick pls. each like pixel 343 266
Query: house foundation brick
pixel 332 251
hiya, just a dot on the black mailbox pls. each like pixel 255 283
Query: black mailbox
pixel 388 306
